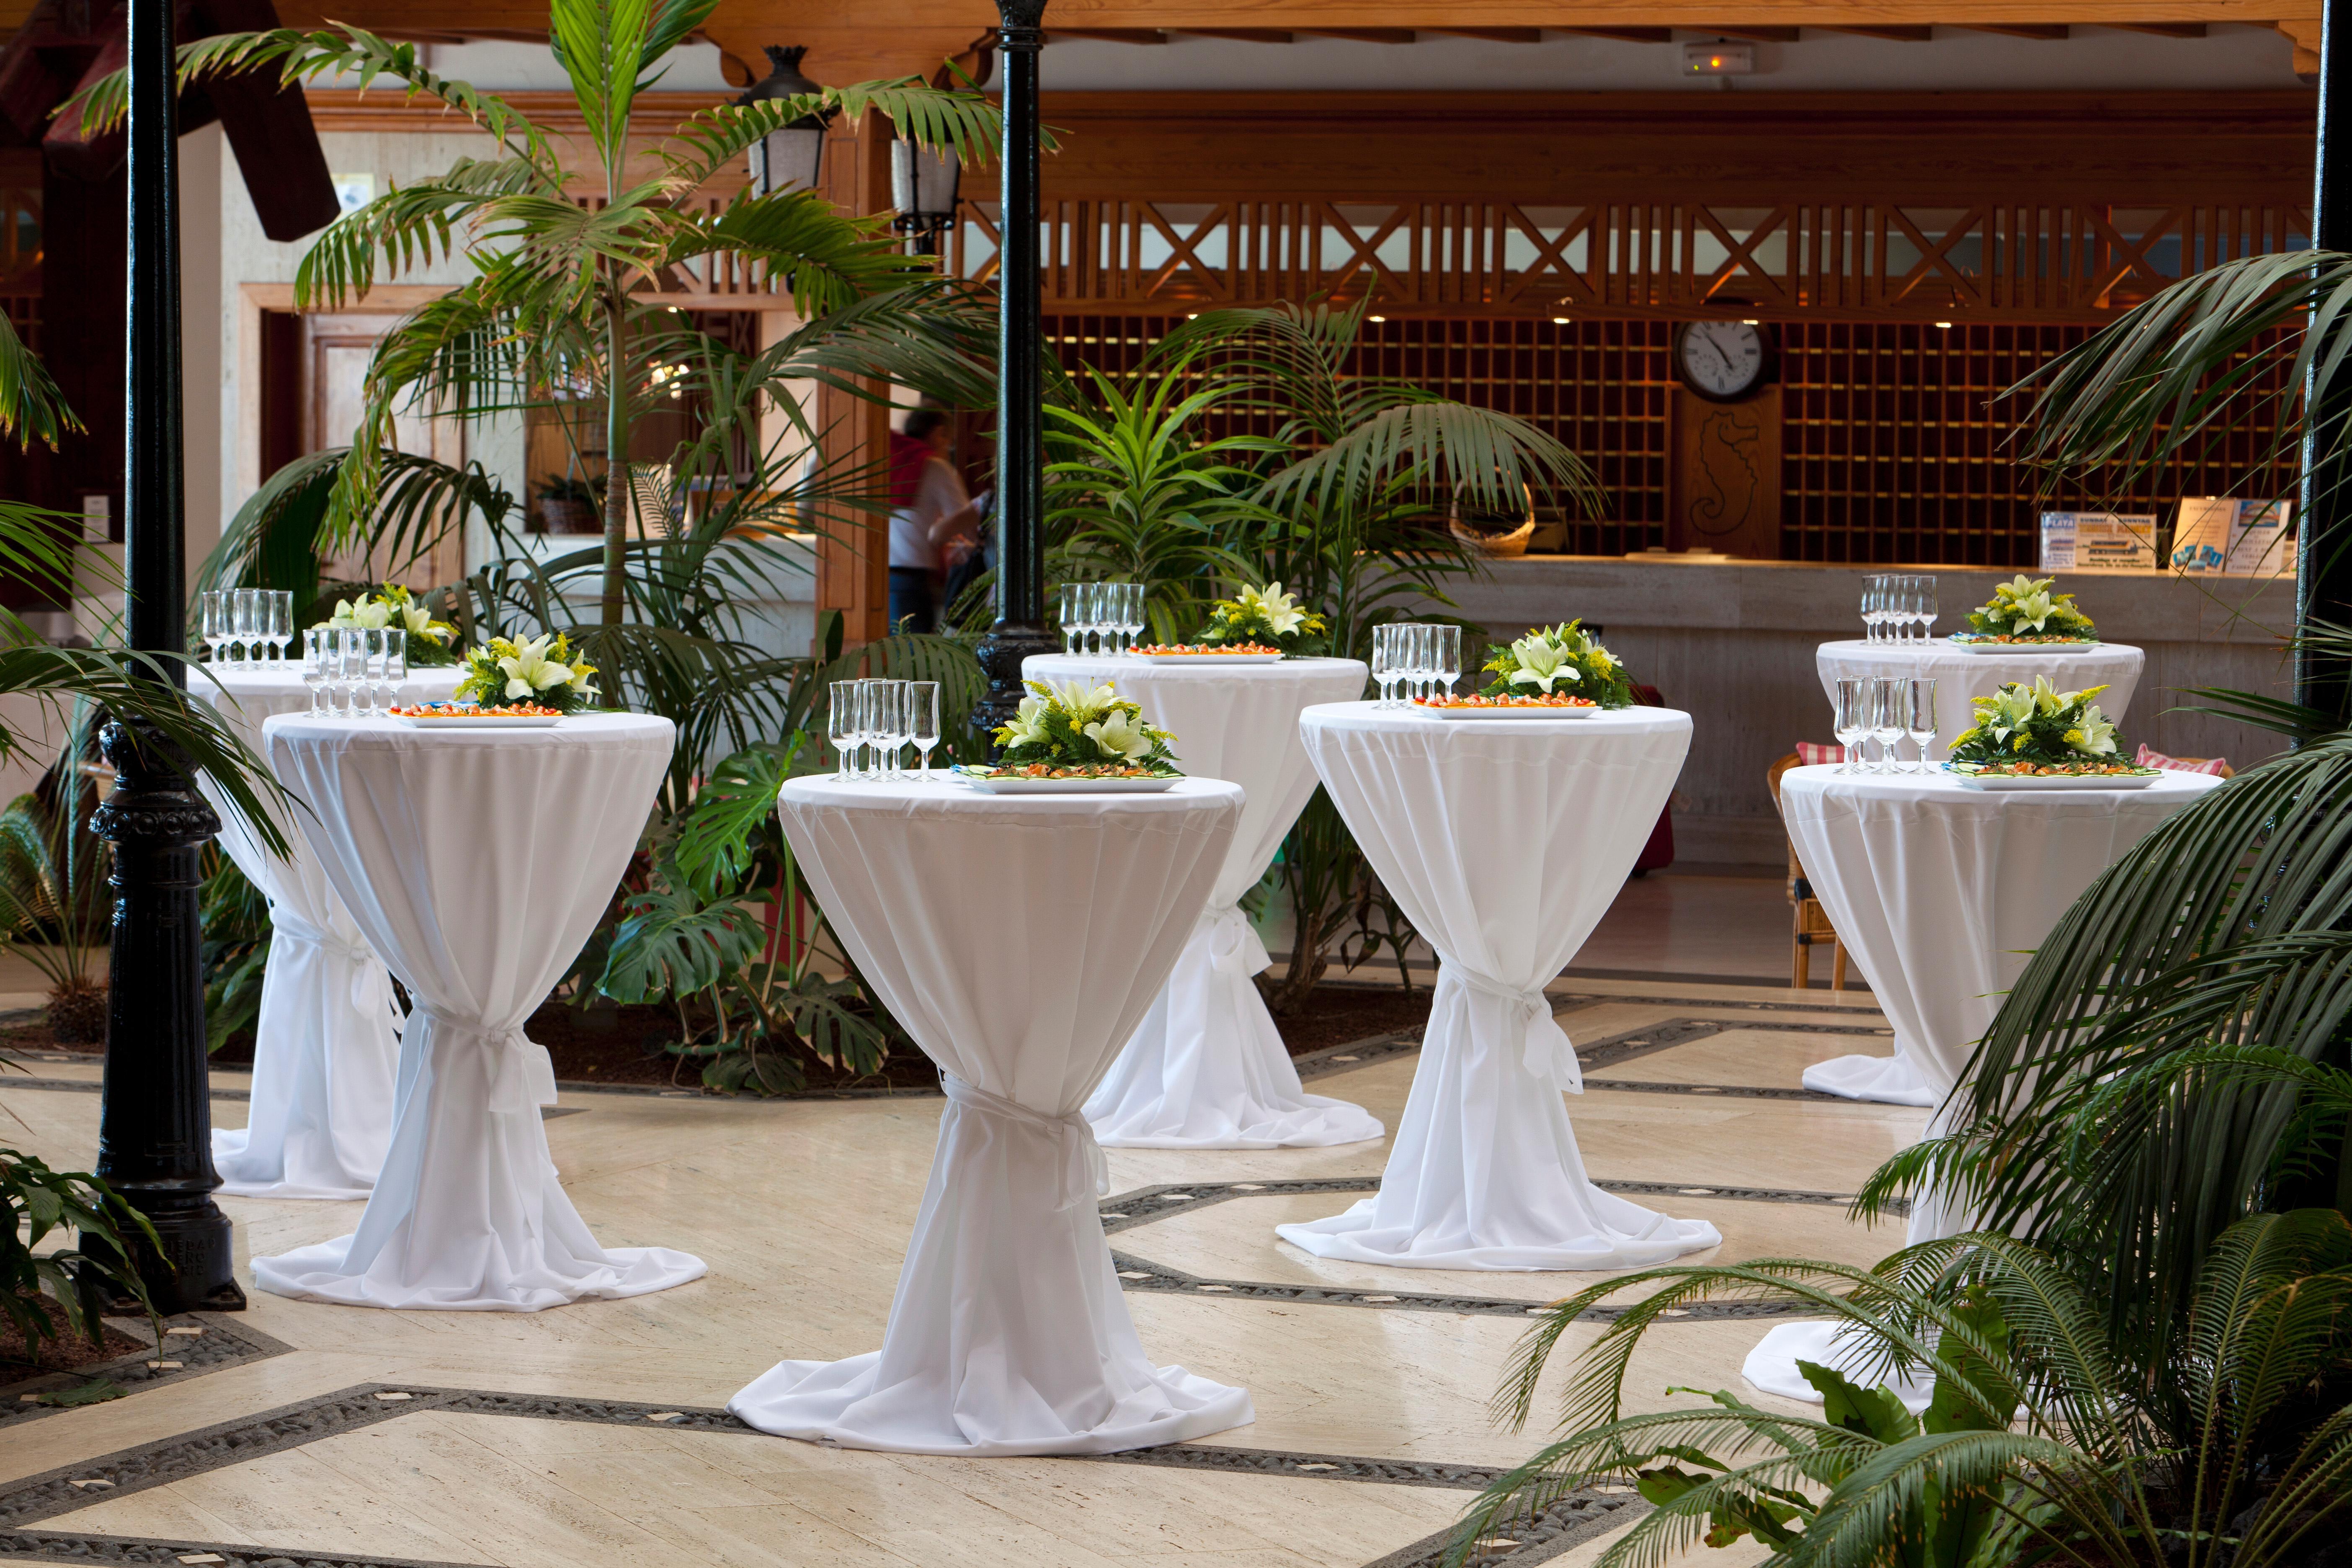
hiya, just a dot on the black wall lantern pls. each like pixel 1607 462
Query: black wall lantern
pixel 923 188
pixel 792 157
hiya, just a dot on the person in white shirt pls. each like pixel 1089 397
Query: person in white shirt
pixel 929 507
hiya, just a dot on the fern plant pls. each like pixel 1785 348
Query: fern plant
pixel 2041 1443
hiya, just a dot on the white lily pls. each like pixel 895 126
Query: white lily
pixel 1277 609
pixel 1027 725
pixel 1540 662
pixel 367 614
pixel 2031 611
pixel 418 621
pixel 2096 735
pixel 529 671
pixel 1084 703
pixel 1120 735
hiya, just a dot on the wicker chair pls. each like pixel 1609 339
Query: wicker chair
pixel 1811 924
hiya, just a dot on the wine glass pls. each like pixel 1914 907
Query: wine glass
pixel 1911 609
pixel 1072 593
pixel 316 655
pixel 1133 624
pixel 1422 670
pixel 1926 607
pixel 1448 666
pixel 1886 721
pixel 841 725
pixel 240 626
pixel 1919 717
pixel 213 610
pixel 282 624
pixel 1380 662
pixel 1851 718
pixel 348 667
pixel 396 665
pixel 923 721
pixel 368 672
pixel 890 729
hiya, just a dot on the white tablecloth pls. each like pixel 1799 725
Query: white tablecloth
pixel 476 862
pixel 1942 893
pixel 1019 940
pixel 1208 1069
pixel 326 1036
pixel 1503 841
pixel 1961 676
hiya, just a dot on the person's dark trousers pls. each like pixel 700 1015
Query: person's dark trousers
pixel 910 599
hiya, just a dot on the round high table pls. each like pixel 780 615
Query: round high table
pixel 1207 1067
pixel 1503 841
pixel 1942 891
pixel 327 1034
pixel 1961 677
pixel 476 862
pixel 1019 938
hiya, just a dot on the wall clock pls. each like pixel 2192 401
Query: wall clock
pixel 1723 362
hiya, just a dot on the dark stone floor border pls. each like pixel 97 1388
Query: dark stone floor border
pixel 26 1503
pixel 225 1342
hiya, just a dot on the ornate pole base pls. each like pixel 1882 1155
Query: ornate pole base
pixel 1001 653
pixel 155 1124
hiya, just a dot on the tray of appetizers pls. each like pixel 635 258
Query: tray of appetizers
pixel 1196 653
pixel 2002 643
pixel 468 716
pixel 1506 706
pixel 1040 778
pixel 2121 775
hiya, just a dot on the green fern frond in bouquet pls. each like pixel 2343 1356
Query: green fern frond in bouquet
pixel 2038 729
pixel 1078 730
pixel 542 670
pixel 1562 660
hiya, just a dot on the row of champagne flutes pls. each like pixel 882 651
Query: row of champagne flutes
pixel 871 724
pixel 243 618
pixel 1419 654
pixel 1111 613
pixel 1891 603
pixel 1885 707
pixel 353 672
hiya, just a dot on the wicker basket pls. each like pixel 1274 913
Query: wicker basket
pixel 1496 545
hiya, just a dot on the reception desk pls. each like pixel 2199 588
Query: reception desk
pixel 1732 642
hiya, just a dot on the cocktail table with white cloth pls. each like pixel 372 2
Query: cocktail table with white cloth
pixel 326 1039
pixel 1019 938
pixel 1961 676
pixel 1503 841
pixel 1207 1068
pixel 1942 891
pixel 476 862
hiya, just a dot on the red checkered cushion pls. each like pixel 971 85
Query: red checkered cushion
pixel 2150 758
pixel 1814 756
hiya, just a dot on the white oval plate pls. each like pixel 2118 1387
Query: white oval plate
pixel 1509 712
pixel 2075 647
pixel 1205 657
pixel 2111 781
pixel 487 722
pixel 1068 786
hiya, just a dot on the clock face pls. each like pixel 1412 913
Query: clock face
pixel 1721 360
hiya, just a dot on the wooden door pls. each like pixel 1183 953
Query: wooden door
pixel 1723 484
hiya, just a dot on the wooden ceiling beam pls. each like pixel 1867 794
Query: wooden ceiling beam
pixel 2049 31
pixel 2162 29
pixel 1110 35
pixel 1622 35
pixel 1243 35
pixel 1363 35
pixel 1754 35
pixel 1492 35
pixel 1908 34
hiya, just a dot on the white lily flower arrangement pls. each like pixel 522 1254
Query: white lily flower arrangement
pixel 1564 660
pixel 1077 728
pixel 1267 618
pixel 2024 608
pixel 2039 728
pixel 430 642
pixel 542 670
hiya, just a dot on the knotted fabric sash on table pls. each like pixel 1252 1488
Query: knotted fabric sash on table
pixel 1233 944
pixel 1086 1174
pixel 1550 1056
pixel 371 982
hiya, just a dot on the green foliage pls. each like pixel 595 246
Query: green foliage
pixel 36 1202
pixel 2038 1443
pixel 235 950
pixel 2038 724
pixel 2024 606
pixel 55 901
pixel 542 669
pixel 1267 617
pixel 1564 659
pixel 1079 725
pixel 431 644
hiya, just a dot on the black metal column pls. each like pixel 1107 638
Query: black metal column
pixel 2324 560
pixel 155 1118
pixel 1020 627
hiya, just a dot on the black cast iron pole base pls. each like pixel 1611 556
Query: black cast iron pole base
pixel 155 1126
pixel 1001 651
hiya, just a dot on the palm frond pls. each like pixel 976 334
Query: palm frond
pixel 407 226
pixel 963 123
pixel 828 261
pixel 31 407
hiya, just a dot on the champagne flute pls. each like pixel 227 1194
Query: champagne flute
pixel 1069 618
pixel 214 609
pixel 1927 608
pixel 1919 717
pixel 1448 663
pixel 315 661
pixel 282 624
pixel 1132 622
pixel 1850 719
pixel 350 666
pixel 841 725
pixel 240 626
pixel 923 721
pixel 1886 721
pixel 368 674
pixel 396 665
pixel 890 729
pixel 1421 659
pixel 1384 662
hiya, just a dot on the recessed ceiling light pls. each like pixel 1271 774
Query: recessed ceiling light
pixel 1751 324
pixel 1378 318
pixel 1559 321
pixel 1943 326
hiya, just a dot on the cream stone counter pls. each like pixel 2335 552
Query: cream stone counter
pixel 1732 644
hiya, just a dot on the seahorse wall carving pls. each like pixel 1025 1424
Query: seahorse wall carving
pixel 1726 477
